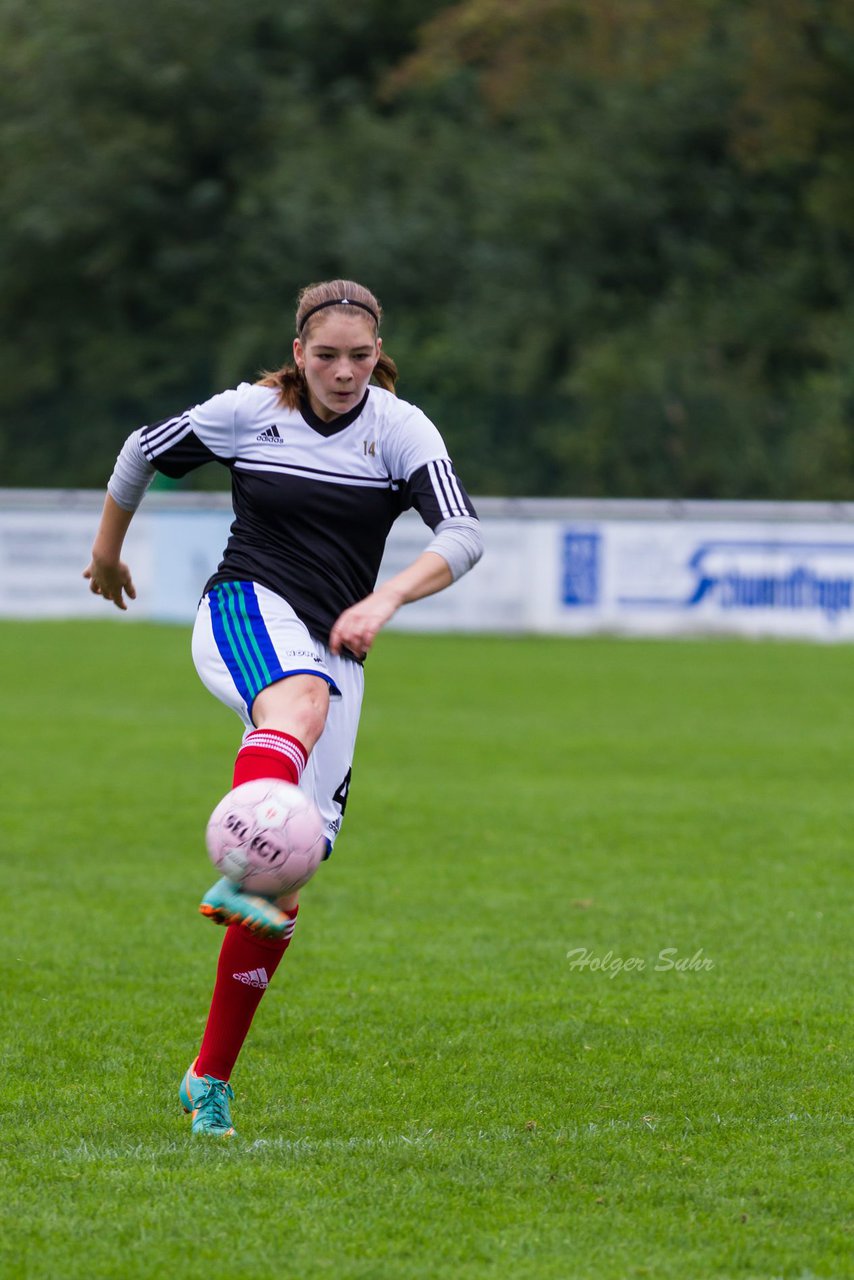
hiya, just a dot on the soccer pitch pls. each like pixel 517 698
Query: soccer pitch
pixel 569 1000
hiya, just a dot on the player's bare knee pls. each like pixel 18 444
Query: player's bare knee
pixel 310 718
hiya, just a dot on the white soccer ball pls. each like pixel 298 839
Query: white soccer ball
pixel 267 837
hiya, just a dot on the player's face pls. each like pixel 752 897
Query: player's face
pixel 338 355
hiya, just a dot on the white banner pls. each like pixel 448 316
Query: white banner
pixel 551 567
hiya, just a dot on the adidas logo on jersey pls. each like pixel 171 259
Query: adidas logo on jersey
pixel 254 978
pixel 270 436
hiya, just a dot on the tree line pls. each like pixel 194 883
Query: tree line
pixel 613 242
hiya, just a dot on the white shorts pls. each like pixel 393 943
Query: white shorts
pixel 247 638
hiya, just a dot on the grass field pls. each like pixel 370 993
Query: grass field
pixel 475 1060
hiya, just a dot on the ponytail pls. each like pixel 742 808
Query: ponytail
pixel 289 381
pixel 385 373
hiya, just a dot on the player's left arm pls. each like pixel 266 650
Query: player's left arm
pixel 358 627
pixel 456 547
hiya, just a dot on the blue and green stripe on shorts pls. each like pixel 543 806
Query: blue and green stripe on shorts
pixel 243 640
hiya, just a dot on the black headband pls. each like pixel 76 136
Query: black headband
pixel 339 302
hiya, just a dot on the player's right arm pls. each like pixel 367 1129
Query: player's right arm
pixel 174 446
pixel 107 573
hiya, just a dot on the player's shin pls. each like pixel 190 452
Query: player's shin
pixel 245 969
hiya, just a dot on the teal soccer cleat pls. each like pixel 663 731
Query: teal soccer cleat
pixel 207 1099
pixel 225 903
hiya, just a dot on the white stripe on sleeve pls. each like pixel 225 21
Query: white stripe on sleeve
pixel 446 488
pixel 160 437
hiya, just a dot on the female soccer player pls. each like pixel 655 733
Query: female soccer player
pixel 323 458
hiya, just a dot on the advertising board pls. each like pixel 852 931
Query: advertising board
pixel 550 567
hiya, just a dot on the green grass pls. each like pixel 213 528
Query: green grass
pixel 431 1089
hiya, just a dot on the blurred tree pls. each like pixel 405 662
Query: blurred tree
pixel 135 143
pixel 683 269
pixel 613 240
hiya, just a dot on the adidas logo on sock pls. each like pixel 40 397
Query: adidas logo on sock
pixel 270 436
pixel 254 978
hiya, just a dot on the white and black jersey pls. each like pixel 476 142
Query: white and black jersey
pixel 313 501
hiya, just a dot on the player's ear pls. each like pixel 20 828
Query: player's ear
pixel 299 353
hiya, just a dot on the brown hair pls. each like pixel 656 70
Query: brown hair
pixel 328 296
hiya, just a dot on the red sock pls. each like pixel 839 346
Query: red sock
pixel 269 753
pixel 246 962
pixel 246 966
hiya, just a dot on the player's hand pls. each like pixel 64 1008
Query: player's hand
pixel 358 627
pixel 111 580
